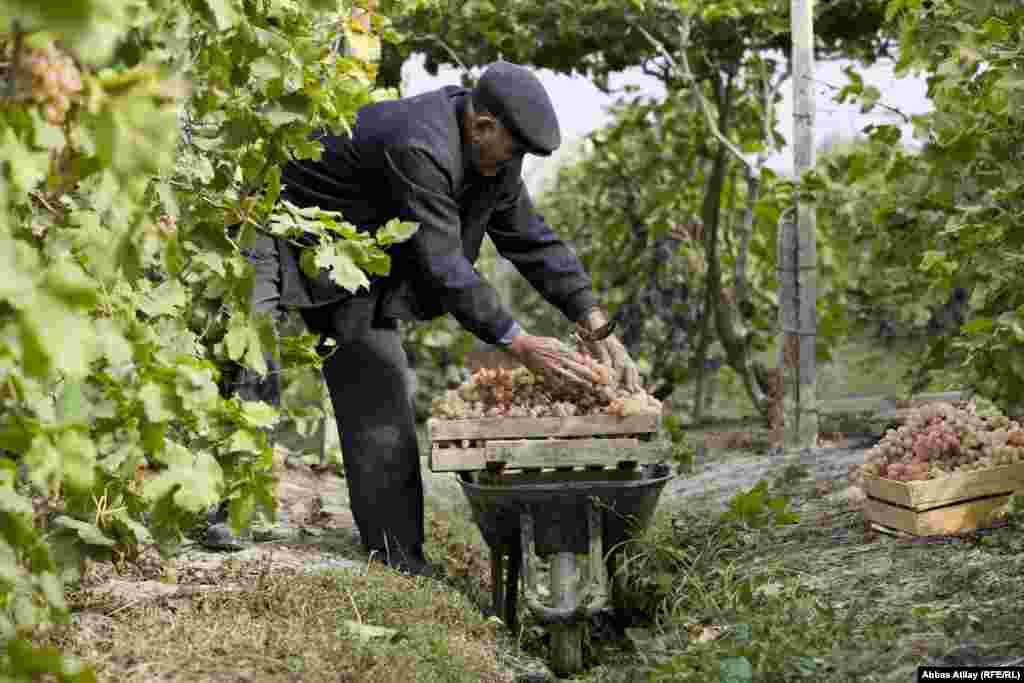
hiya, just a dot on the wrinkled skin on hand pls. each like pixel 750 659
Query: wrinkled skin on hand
pixel 610 352
pixel 549 357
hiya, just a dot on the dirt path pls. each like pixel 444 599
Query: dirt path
pixel 720 476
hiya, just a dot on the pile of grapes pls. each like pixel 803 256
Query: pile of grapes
pixel 942 439
pixel 520 393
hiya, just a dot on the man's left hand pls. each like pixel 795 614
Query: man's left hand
pixel 610 352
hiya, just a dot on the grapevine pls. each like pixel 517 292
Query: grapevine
pixel 521 393
pixel 941 439
pixel 131 137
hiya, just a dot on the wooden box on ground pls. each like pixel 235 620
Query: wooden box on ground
pixel 531 443
pixel 951 505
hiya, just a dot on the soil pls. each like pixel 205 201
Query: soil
pixel 718 476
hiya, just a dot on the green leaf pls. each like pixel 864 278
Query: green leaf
pixel 281 117
pixel 245 441
pixel 979 326
pixel 236 340
pixel 224 12
pixel 259 414
pixel 68 283
pixel 157 402
pixel 166 299
pixel 139 533
pixel 869 98
pixel 241 510
pixel 78 460
pixel 194 488
pixel 254 357
pixel 89 533
pixel 335 257
pixel 175 455
pixel 71 403
pixel 735 670
pixel 43 461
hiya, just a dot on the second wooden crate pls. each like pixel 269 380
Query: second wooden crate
pixel 957 504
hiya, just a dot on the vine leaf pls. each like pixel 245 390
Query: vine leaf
pixel 396 231
pixel 89 533
pixel 194 487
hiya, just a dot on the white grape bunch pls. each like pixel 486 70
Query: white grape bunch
pixel 521 393
pixel 54 80
pixel 940 439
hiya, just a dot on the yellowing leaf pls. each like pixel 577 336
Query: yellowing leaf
pixel 244 440
pixel 224 13
pixel 364 46
pixel 259 414
pixel 156 402
pixel 235 341
pixel 396 231
pixel 366 632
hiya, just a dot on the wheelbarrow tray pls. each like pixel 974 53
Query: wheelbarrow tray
pixel 557 501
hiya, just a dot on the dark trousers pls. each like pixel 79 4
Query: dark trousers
pixel 368 379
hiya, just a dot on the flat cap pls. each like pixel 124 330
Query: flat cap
pixel 517 98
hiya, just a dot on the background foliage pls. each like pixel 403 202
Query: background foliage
pixel 933 220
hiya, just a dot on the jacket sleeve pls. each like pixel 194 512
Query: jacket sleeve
pixel 551 267
pixel 422 193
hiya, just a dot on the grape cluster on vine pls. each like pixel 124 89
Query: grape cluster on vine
pixel 55 80
pixel 940 439
pixel 520 393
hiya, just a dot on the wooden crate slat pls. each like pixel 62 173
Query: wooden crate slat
pixel 933 493
pixel 548 453
pixel 526 427
pixel 948 520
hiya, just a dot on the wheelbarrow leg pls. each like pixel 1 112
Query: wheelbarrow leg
pixel 566 639
pixel 511 615
pixel 498 581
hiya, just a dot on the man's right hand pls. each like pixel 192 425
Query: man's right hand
pixel 548 356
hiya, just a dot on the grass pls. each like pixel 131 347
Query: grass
pixel 248 618
pixel 825 599
pixel 257 623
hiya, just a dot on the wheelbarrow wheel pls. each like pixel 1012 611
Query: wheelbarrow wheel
pixel 566 639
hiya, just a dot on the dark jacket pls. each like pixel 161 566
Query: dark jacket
pixel 405 159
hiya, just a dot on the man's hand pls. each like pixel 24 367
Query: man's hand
pixel 610 352
pixel 548 356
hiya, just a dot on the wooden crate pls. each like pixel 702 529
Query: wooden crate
pixel 540 443
pixel 951 505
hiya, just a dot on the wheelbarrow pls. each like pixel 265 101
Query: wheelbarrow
pixel 600 492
